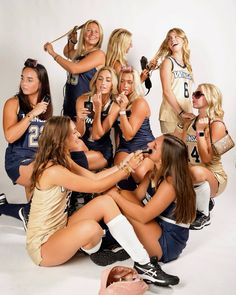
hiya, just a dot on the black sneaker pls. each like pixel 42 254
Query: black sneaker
pixel 211 204
pixel 24 217
pixel 108 256
pixel 200 221
pixel 3 199
pixel 152 273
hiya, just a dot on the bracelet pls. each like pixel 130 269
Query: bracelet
pixel 180 125
pixel 30 116
pixel 122 112
pixel 70 40
pixel 180 113
pixel 56 56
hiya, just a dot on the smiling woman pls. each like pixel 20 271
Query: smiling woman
pixel 83 63
pixel 176 79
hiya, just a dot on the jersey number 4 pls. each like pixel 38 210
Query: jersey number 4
pixel 195 155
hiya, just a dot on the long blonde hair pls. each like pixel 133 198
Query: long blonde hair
pixel 214 100
pixel 117 47
pixel 81 48
pixel 164 50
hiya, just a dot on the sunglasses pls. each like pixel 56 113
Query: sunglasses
pixel 126 69
pixel 197 94
pixel 31 63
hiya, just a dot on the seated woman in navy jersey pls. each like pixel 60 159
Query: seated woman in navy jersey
pixel 134 131
pixel 24 116
pixel 162 208
pixel 85 57
pixel 96 113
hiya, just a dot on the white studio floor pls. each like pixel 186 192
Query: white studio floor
pixel 207 265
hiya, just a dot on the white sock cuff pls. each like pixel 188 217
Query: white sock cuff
pixel 203 187
pixel 94 249
pixel 116 220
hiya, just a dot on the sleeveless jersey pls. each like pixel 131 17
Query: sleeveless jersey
pixel 48 214
pixel 26 146
pixel 215 165
pixel 139 141
pixel 181 85
pixel 104 144
pixel 76 85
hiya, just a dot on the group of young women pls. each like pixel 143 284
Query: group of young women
pixel 159 193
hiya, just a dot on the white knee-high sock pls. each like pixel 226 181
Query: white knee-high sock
pixel 123 232
pixel 203 194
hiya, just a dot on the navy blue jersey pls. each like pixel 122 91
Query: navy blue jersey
pixel 139 141
pixel 22 151
pixel 174 236
pixel 76 85
pixel 104 144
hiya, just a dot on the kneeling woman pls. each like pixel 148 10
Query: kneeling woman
pixel 163 206
pixel 52 237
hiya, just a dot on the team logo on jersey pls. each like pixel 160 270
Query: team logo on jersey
pixel 191 138
pixel 181 74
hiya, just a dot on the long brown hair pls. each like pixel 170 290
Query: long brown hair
pixel 44 89
pixel 51 147
pixel 174 163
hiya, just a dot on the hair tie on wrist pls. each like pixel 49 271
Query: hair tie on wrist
pixel 56 56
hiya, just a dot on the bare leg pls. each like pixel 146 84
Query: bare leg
pixel 102 207
pixel 201 174
pixel 25 175
pixel 148 233
pixel 96 160
pixel 64 243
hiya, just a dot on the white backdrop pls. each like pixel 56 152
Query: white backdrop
pixel 210 26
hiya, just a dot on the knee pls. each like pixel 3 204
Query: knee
pixel 91 229
pixel 198 174
pixel 106 201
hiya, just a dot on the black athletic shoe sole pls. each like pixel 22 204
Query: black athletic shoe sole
pixel 107 257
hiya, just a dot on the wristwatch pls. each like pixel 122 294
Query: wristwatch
pixel 200 133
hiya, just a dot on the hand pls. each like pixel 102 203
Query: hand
pixel 40 108
pixel 97 101
pixel 49 48
pixel 82 113
pixel 187 116
pixel 136 159
pixel 144 75
pixel 73 36
pixel 122 100
pixel 152 64
pixel 202 123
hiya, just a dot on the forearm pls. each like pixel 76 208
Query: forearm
pixel 171 99
pixel 15 132
pixel 80 125
pixel 129 208
pixel 97 128
pixel 203 149
pixel 126 128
